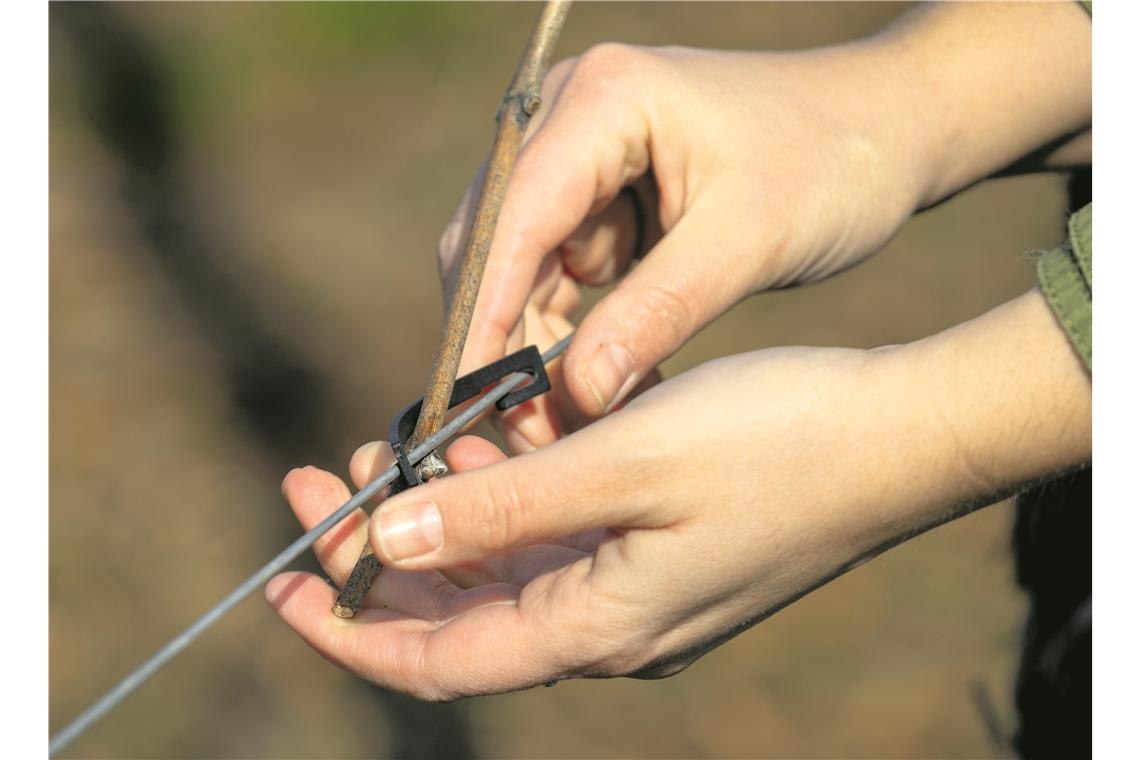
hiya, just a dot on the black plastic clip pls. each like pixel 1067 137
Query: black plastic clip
pixel 409 478
pixel 528 361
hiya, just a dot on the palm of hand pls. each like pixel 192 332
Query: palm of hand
pixel 663 565
pixel 424 632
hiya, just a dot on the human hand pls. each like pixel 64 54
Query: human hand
pixel 703 506
pixel 745 183
pixel 755 171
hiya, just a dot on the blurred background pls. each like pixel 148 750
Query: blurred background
pixel 245 204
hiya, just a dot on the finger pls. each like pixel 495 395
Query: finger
pixel 315 494
pixel 302 600
pixel 550 290
pixel 424 596
pixel 517 568
pixel 581 482
pixel 545 418
pixel 428 595
pixel 453 242
pixel 369 462
pixel 593 142
pixel 494 644
pixel 521 567
pixel 513 570
pixel 601 249
pixel 565 299
pixel 470 452
pixel 675 291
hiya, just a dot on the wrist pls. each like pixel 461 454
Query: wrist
pixel 1000 402
pixel 988 85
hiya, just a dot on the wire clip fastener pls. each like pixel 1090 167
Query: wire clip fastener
pixel 527 361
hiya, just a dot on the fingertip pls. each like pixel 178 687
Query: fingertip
pixel 293 476
pixel 300 478
pixel 303 480
pixel 366 450
pixel 470 452
pixel 575 370
pixel 281 587
pixel 285 481
pixel 369 461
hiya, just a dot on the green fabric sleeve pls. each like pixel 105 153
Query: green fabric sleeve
pixel 1065 274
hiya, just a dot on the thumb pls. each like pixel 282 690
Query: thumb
pixel 556 491
pixel 690 278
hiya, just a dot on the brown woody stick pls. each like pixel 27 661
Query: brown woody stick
pixel 521 101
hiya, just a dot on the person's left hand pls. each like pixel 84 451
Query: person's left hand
pixel 708 503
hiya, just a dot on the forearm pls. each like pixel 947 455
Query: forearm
pixel 991 406
pixel 992 87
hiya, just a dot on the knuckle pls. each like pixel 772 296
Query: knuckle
pixel 559 71
pixel 663 305
pixel 609 57
pixel 605 65
pixel 498 523
pixel 596 271
pixel 591 267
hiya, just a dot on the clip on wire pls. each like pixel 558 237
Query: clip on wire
pixel 528 361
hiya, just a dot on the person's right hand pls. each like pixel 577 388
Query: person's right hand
pixel 754 170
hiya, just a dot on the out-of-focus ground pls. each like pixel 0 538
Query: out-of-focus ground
pixel 245 202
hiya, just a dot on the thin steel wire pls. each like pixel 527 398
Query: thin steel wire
pixel 139 676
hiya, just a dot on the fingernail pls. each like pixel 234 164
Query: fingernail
pixel 608 374
pixel 410 530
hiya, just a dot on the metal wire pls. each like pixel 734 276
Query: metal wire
pixel 139 676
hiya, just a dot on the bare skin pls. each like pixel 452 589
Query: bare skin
pixel 605 549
